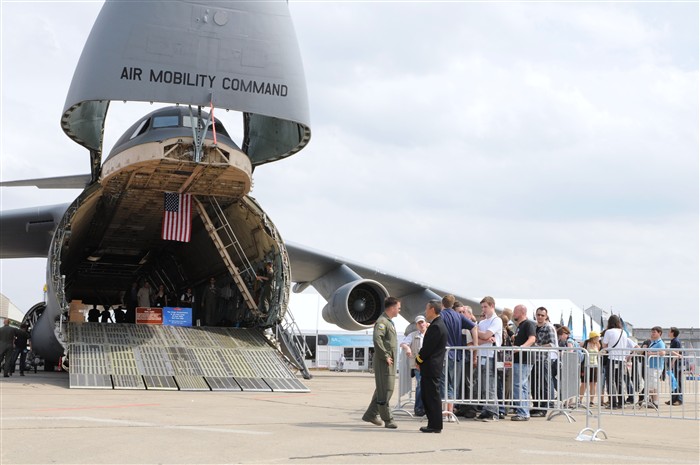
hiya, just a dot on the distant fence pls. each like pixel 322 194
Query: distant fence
pixel 570 382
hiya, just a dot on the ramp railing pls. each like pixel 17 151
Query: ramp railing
pixel 288 332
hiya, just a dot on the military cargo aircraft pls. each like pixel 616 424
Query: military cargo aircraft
pixel 200 57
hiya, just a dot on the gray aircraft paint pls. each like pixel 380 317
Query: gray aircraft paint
pixel 241 56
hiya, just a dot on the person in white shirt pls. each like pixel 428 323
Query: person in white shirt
pixel 341 362
pixel 144 295
pixel 490 335
pixel 615 342
pixel 411 345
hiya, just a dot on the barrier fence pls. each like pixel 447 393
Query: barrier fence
pixel 571 382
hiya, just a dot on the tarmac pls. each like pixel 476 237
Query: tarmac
pixel 42 421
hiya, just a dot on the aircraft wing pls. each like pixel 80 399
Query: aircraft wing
pixel 78 181
pixel 311 267
pixel 27 232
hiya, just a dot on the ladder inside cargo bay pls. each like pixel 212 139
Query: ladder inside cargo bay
pixel 287 331
pixel 227 246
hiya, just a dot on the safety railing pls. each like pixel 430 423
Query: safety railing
pixel 571 382
pixel 521 381
pixel 660 383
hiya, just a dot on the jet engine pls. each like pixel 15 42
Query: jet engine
pixel 356 305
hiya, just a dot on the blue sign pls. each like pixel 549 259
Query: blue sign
pixel 176 316
pixel 350 340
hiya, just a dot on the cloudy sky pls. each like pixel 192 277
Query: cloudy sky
pixel 520 150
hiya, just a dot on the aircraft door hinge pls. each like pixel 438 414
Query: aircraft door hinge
pixel 95 165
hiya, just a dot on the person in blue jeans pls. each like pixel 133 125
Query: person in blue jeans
pixel 525 336
pixel 455 324
pixel 676 367
pixel 490 335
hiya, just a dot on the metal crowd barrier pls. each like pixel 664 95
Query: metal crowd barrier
pixel 486 377
pixel 641 382
pixel 569 382
pixel 652 383
pixel 406 395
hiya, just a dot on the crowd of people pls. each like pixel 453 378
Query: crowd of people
pixel 632 373
pixel 521 382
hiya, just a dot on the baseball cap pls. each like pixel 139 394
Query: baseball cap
pixel 419 318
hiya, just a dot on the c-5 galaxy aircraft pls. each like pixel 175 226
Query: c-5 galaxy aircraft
pixel 200 57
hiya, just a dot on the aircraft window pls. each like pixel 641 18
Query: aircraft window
pixel 189 121
pixel 141 129
pixel 166 122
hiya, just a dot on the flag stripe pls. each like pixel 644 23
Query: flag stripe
pixel 177 217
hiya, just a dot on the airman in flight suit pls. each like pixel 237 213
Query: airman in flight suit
pixel 385 346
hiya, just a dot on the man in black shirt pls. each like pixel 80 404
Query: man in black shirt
pixel 677 367
pixel 7 345
pixel 430 362
pixel 94 315
pixel 20 350
pixel 525 336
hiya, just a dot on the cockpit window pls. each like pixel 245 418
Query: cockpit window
pixel 141 128
pixel 166 121
pixel 189 121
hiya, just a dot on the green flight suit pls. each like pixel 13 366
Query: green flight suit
pixel 385 346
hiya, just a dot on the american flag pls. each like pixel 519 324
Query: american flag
pixel 177 217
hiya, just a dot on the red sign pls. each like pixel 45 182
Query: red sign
pixel 149 315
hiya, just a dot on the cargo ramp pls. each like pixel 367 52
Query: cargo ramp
pixel 128 356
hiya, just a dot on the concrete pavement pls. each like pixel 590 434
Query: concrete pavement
pixel 42 421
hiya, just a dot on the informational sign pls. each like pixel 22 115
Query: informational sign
pixel 177 316
pixel 350 340
pixel 149 315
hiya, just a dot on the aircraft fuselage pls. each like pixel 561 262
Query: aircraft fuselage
pixel 110 236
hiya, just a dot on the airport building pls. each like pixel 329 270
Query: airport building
pixel 10 310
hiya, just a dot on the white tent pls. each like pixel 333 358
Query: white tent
pixel 9 310
pixel 559 311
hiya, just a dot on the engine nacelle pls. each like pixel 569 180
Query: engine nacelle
pixel 356 305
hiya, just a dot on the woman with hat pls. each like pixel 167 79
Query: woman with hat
pixel 592 345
